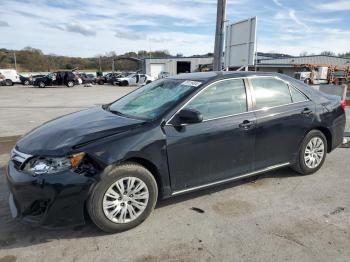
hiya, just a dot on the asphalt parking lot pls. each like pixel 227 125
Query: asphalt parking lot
pixel 277 216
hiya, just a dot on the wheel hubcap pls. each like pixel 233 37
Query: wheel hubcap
pixel 125 200
pixel 314 152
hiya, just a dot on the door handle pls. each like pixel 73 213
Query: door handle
pixel 306 111
pixel 246 124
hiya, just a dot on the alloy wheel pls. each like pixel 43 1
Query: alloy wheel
pixel 125 200
pixel 314 152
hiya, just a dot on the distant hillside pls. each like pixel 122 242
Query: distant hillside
pixel 34 60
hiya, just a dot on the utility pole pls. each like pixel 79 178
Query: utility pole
pixel 14 57
pixel 219 35
pixel 99 61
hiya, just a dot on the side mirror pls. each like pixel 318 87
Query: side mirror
pixel 188 116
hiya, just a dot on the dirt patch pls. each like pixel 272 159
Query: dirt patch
pixel 306 232
pixel 8 259
pixel 233 207
pixel 255 182
pixel 337 210
pixel 180 252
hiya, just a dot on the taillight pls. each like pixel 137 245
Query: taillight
pixel 343 104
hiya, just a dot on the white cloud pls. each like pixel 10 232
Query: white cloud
pixel 292 15
pixel 343 5
pixel 80 29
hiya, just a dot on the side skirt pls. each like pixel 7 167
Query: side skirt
pixel 230 179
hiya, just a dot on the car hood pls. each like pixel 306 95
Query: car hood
pixel 59 136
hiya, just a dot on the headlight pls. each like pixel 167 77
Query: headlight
pixel 52 165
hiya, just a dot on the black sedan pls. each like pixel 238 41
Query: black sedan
pixel 25 80
pixel 172 136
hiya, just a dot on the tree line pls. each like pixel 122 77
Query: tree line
pixel 34 60
pixel 328 53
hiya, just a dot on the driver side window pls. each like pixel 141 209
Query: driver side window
pixel 224 98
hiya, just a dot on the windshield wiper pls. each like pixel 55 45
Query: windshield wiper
pixel 116 112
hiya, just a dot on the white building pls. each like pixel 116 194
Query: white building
pixel 175 65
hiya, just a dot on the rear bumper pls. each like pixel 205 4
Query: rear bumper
pixel 48 200
pixel 337 131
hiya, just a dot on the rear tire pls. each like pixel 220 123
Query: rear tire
pixel 8 82
pixel 121 200
pixel 70 84
pixel 312 153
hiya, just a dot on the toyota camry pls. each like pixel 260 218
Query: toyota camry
pixel 172 136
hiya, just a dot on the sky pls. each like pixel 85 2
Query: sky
pixel 87 28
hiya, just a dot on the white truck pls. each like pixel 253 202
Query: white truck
pixel 313 74
pixel 11 76
pixel 323 74
pixel 133 79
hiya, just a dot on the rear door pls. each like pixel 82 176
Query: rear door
pixel 283 115
pixel 218 148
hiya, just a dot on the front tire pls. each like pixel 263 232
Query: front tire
pixel 123 198
pixel 312 153
pixel 41 84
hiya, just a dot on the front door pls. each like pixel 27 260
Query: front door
pixel 218 148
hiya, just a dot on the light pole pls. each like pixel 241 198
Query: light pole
pixel 99 61
pixel 219 35
pixel 14 57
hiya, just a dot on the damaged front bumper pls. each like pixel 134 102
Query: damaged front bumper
pixel 48 200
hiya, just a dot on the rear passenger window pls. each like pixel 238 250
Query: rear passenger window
pixel 270 92
pixel 221 99
pixel 296 95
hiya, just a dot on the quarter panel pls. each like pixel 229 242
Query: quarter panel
pixel 146 143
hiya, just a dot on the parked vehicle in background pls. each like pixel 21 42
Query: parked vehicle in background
pixel 163 75
pixel 58 78
pixel 11 76
pixel 170 137
pixel 134 79
pixel 322 74
pixel 87 78
pixel 2 79
pixel 25 80
pixel 101 80
pixel 34 77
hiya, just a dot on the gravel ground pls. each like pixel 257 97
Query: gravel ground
pixel 278 216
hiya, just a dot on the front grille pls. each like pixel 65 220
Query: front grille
pixel 19 158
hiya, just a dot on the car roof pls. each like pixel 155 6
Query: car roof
pixel 207 76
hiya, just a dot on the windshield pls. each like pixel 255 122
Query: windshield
pixel 152 100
